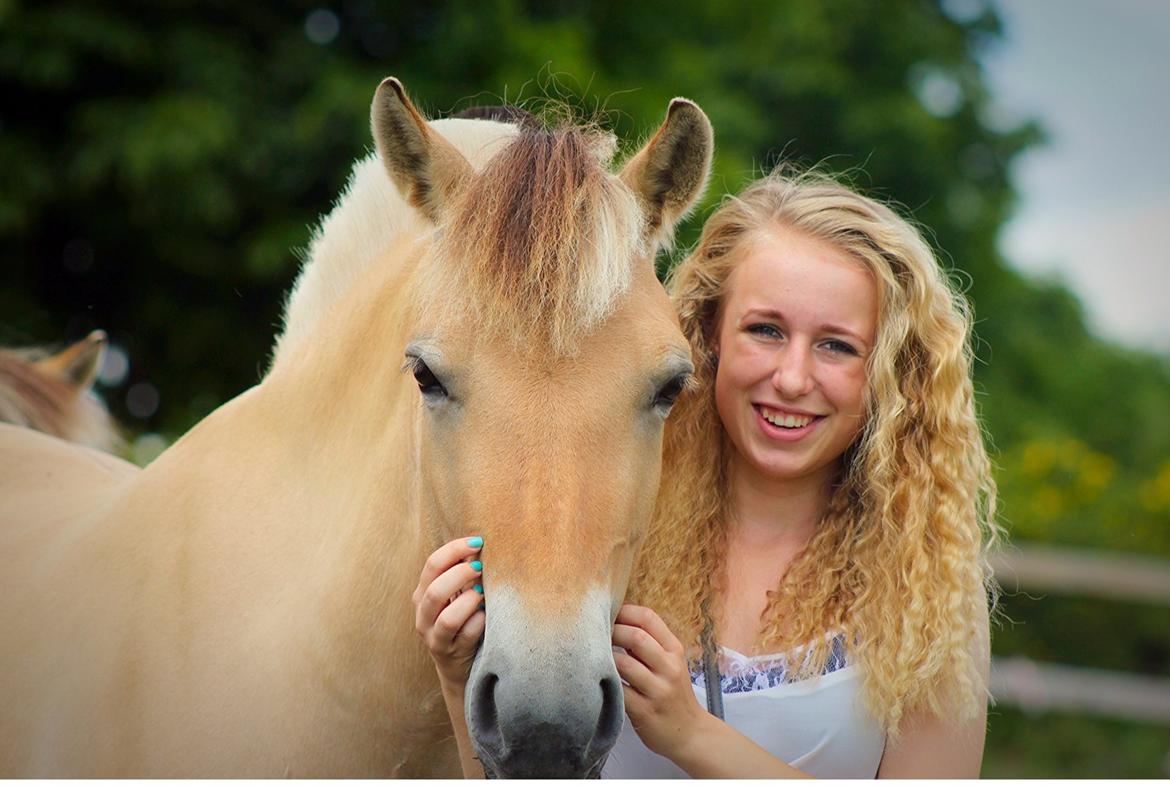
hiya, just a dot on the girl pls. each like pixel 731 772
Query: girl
pixel 825 511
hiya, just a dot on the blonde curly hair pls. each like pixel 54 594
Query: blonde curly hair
pixel 899 561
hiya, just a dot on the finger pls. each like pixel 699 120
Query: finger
pixel 455 616
pixel 634 672
pixel 643 646
pixel 649 621
pixel 438 594
pixel 441 560
pixel 472 630
pixel 636 703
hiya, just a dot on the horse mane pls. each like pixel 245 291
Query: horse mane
pixel 368 216
pixel 505 113
pixel 42 402
pixel 541 244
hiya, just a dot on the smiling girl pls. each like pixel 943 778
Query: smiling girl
pixel 824 515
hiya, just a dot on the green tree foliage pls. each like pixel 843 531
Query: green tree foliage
pixel 162 162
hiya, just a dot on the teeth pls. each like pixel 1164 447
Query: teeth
pixel 787 421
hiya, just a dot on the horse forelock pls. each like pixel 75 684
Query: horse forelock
pixel 541 244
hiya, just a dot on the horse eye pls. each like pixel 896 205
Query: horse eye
pixel 428 383
pixel 664 399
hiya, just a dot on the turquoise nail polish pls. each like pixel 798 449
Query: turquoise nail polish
pixel 475 542
pixel 479 588
pixel 477 565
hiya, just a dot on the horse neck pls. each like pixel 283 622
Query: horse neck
pixel 353 429
pixel 306 484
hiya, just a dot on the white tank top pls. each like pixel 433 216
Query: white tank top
pixel 819 726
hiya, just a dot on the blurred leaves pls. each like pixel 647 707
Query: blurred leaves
pixel 190 148
pixel 1061 745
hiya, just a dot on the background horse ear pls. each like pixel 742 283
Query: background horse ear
pixel 78 364
pixel 427 169
pixel 670 172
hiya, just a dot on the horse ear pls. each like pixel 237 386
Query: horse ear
pixel 427 169
pixel 78 364
pixel 670 172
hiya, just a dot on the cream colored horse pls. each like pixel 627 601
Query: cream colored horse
pixel 241 607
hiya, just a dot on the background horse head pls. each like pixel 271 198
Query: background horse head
pixel 477 344
pixel 53 392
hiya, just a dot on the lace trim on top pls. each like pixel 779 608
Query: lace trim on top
pixel 741 674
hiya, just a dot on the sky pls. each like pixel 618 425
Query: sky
pixel 1095 201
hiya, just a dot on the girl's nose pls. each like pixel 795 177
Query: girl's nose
pixel 793 375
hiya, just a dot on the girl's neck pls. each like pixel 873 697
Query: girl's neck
pixel 779 513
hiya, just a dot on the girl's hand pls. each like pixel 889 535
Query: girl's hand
pixel 448 613
pixel 659 698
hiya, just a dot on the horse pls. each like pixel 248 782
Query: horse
pixel 53 392
pixel 477 344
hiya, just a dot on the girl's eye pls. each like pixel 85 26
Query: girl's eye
pixel 764 329
pixel 840 347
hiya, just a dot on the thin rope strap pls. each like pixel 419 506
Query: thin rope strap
pixel 711 666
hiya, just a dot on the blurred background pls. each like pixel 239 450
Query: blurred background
pixel 162 163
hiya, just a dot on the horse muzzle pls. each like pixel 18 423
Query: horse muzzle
pixel 544 699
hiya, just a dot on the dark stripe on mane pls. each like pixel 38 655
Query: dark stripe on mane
pixel 529 234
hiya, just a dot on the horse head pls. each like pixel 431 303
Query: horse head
pixel 53 393
pixel 546 357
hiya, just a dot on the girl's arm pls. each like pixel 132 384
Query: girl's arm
pixel 930 747
pixel 453 697
pixel 449 618
pixel 933 747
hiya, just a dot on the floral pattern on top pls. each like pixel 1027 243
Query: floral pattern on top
pixel 742 674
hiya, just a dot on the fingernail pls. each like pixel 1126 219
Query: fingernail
pixel 475 542
pixel 481 607
pixel 476 565
pixel 479 588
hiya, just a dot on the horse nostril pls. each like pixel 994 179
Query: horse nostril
pixel 609 722
pixel 484 718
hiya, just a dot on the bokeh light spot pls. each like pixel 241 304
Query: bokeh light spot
pixel 938 91
pixel 322 26
pixel 115 366
pixel 142 399
pixel 964 11
pixel 147 448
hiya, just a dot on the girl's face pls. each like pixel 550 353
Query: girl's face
pixel 797 323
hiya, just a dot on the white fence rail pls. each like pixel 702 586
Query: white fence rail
pixel 1040 687
pixel 1101 574
pixel 1044 687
